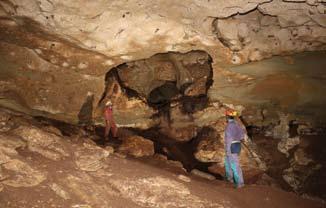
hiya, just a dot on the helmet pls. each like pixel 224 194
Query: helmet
pixel 231 112
pixel 108 103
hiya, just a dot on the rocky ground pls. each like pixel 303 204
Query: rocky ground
pixel 43 166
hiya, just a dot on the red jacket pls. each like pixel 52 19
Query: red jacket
pixel 108 114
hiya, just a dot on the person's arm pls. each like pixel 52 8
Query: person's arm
pixel 242 129
pixel 228 140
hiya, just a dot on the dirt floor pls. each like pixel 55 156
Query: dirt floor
pixel 129 169
pixel 129 182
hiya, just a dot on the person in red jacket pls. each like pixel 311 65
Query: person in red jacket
pixel 109 121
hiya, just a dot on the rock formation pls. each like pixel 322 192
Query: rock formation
pixel 171 66
pixel 75 43
pixel 137 146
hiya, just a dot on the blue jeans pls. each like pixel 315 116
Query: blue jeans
pixel 233 170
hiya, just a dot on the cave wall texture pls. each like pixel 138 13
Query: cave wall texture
pixel 55 54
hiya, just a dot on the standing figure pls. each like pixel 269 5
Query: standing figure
pixel 109 121
pixel 233 136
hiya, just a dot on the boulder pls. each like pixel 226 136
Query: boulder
pixel 90 191
pixel 45 143
pixel 301 157
pixel 59 191
pixel 211 149
pixel 5 123
pixel 137 146
pixel 184 178
pixel 281 131
pixel 23 175
pixel 266 180
pixel 202 174
pixel 180 134
pixel 9 145
pixel 90 157
pixel 160 192
pixel 287 144
pixel 178 124
pixel 302 166
pixel 171 163
pixel 291 178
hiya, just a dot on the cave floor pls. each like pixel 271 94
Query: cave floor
pixel 129 182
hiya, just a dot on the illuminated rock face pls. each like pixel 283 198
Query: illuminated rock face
pixel 130 30
pixel 137 146
pixel 55 54
pixel 275 28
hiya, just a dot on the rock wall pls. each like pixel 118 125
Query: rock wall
pixel 69 46
pixel 275 28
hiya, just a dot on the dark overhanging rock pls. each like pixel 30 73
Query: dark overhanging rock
pixel 191 73
pixel 163 93
pixel 171 83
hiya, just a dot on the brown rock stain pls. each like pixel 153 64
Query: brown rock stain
pixel 278 87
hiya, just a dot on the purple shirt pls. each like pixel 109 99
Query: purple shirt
pixel 233 132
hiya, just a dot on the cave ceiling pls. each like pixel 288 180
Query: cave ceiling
pixel 55 54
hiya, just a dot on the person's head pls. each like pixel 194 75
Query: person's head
pixel 108 104
pixel 230 114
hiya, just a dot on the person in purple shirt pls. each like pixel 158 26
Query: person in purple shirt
pixel 233 136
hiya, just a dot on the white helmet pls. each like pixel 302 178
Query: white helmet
pixel 108 103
